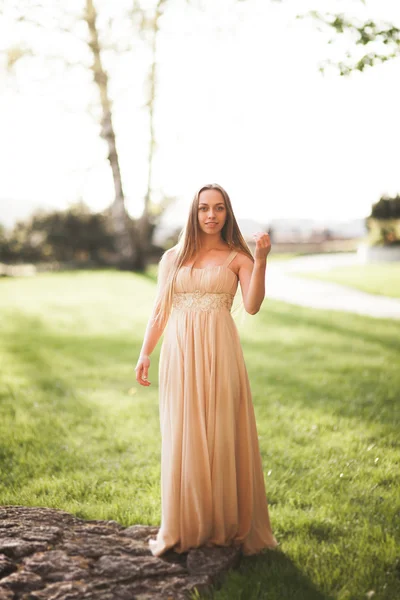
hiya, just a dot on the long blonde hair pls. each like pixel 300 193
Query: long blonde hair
pixel 189 244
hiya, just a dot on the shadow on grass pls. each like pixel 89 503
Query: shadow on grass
pixel 271 575
pixel 42 351
pixel 351 327
pixel 353 389
pixel 50 386
pixel 371 399
pixel 279 578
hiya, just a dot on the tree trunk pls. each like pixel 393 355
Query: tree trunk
pixel 124 227
pixel 145 226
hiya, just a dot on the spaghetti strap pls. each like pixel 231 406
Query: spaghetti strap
pixel 230 258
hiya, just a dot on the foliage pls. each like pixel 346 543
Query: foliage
pixel 379 41
pixel 384 221
pixel 386 208
pixel 72 235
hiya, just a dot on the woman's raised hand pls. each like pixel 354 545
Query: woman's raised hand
pixel 142 370
pixel 263 245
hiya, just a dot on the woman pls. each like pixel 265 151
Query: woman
pixel 212 483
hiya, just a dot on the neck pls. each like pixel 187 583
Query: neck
pixel 209 241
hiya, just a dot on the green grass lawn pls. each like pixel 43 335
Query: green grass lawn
pixel 78 433
pixel 382 279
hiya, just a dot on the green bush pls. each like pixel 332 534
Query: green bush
pixel 384 222
pixel 73 235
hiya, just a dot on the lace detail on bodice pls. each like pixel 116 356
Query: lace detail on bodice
pixel 204 301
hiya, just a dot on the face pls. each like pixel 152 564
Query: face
pixel 211 211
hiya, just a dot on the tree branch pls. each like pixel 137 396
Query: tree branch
pixel 367 34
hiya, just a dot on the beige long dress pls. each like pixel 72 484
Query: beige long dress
pixel 212 482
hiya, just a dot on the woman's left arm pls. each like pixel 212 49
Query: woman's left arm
pixel 252 274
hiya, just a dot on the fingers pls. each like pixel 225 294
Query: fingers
pixel 263 245
pixel 262 239
pixel 142 375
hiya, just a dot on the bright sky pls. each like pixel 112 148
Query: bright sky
pixel 240 102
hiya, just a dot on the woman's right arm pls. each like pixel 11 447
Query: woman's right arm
pixel 154 329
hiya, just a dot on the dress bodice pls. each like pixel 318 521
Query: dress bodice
pixel 215 280
pixel 206 288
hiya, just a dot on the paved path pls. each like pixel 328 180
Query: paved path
pixel 282 284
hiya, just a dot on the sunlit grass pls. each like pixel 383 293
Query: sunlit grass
pixel 382 278
pixel 77 432
pixel 283 255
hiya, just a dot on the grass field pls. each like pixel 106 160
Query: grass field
pixel 78 433
pixel 382 279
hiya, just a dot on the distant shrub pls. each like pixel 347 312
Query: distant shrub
pixel 384 222
pixel 386 208
pixel 73 235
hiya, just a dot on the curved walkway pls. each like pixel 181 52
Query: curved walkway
pixel 282 284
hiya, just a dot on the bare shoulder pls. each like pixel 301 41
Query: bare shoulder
pixel 169 255
pixel 241 260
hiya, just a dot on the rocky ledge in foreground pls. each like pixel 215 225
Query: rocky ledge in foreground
pixel 48 554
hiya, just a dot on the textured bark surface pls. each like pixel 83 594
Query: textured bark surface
pixel 48 554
